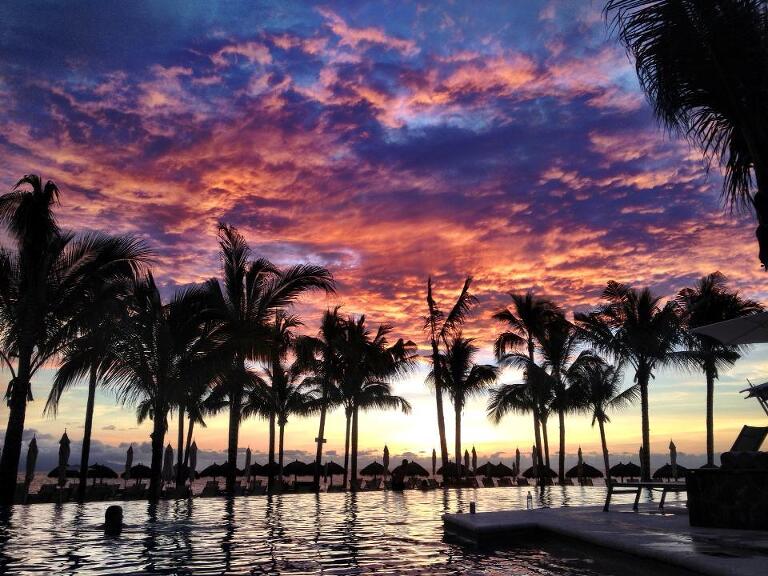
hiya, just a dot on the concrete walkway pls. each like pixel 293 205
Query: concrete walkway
pixel 665 537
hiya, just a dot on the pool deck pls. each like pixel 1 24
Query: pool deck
pixel 665 537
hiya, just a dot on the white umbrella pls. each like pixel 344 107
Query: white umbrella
pixel 474 460
pixel 752 329
pixel 673 458
pixel 128 462
pixel 192 461
pixel 248 466
pixel 385 460
pixel 167 473
pixel 434 461
pixel 63 458
pixel 517 461
pixel 31 461
pixel 581 465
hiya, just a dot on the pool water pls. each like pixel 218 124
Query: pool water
pixel 337 533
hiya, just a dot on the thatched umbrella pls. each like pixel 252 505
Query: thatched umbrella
pixel 212 471
pixel 586 471
pixel 502 471
pixel 517 461
pixel 373 469
pixel 434 461
pixel 224 469
pixel 486 470
pixel 296 469
pixel 101 472
pixel 69 472
pixel 257 469
pixel 450 472
pixel 668 472
pixel 385 460
pixel 631 470
pixel 580 464
pixel 673 457
pixel 192 461
pixel 333 469
pixel 128 463
pixel 139 472
pixel 544 470
pixel 167 471
pixel 411 469
pixel 474 461
pixel 63 458
pixel 247 466
pixel 31 462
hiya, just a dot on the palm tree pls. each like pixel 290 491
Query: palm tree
pixel 702 66
pixel 634 327
pixel 598 388
pixel 525 322
pixel 439 327
pixel 47 278
pixel 245 300
pixel 319 356
pixel 710 301
pixel 463 379
pixel 157 350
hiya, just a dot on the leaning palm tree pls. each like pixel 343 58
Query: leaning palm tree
pixel 597 385
pixel 710 301
pixel 525 321
pixel 702 66
pixel 634 327
pixel 439 327
pixel 47 279
pixel 463 379
pixel 243 303
pixel 319 356
pixel 155 353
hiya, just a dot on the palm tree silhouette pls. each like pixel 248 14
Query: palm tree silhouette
pixel 243 303
pixel 702 66
pixel 710 301
pixel 525 322
pixel 634 327
pixel 463 379
pixel 439 327
pixel 47 276
pixel 597 387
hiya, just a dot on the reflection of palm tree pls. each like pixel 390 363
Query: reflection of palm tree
pixel 46 277
pixel 525 322
pixel 243 303
pixel 634 327
pixel 597 386
pixel 702 65
pixel 439 327
pixel 706 303
pixel 463 379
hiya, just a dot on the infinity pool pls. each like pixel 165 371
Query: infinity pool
pixel 367 533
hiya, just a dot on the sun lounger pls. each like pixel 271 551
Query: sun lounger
pixel 335 488
pixel 567 482
pixel 211 488
pixel 433 484
pixel 520 482
pixel 637 488
pixel 374 484
pixel 750 439
pixel 488 483
pixel 586 482
pixel 505 482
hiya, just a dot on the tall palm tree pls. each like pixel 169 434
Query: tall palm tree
pixel 702 66
pixel 525 321
pixel 633 326
pixel 439 327
pixel 156 352
pixel 598 388
pixel 463 379
pixel 710 301
pixel 320 357
pixel 243 302
pixel 47 279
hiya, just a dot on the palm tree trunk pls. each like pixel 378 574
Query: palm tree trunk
pixel 710 416
pixel 645 465
pixel 88 428
pixel 437 369
pixel 271 470
pixel 280 454
pixel 561 458
pixel 537 437
pixel 320 440
pixel 546 442
pixel 9 462
pixel 158 439
pixel 353 463
pixel 180 476
pixel 235 402
pixel 189 442
pixel 348 414
pixel 605 450
pixel 458 442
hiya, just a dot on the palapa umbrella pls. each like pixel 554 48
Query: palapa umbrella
pixel 580 465
pixel 385 460
pixel 631 470
pixel 139 472
pixel 474 461
pixel 434 461
pixel 586 471
pixel 257 469
pixel 373 469
pixel 63 458
pixel 128 463
pixel 274 468
pixel 502 471
pixel 544 470
pixel 31 461
pixel 673 457
pixel 333 469
pixel 192 461
pixel 167 472
pixel 517 461
pixel 451 470
pixel 100 471
pixel 212 471
pixel 411 469
pixel 69 472
pixel 296 469
pixel 247 466
pixel 667 472
pixel 486 470
pixel 224 469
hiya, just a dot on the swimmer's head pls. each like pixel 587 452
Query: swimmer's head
pixel 113 520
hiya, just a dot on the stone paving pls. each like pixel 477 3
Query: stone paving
pixel 663 536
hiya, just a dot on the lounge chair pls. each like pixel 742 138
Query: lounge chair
pixel 374 484
pixel 48 493
pixel 135 491
pixel 433 484
pixel 488 483
pixel 567 482
pixel 586 482
pixel 505 482
pixel 335 488
pixel 521 482
pixel 211 488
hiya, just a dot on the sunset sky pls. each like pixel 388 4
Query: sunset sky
pixel 387 141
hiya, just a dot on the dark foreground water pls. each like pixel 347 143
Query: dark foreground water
pixel 367 533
